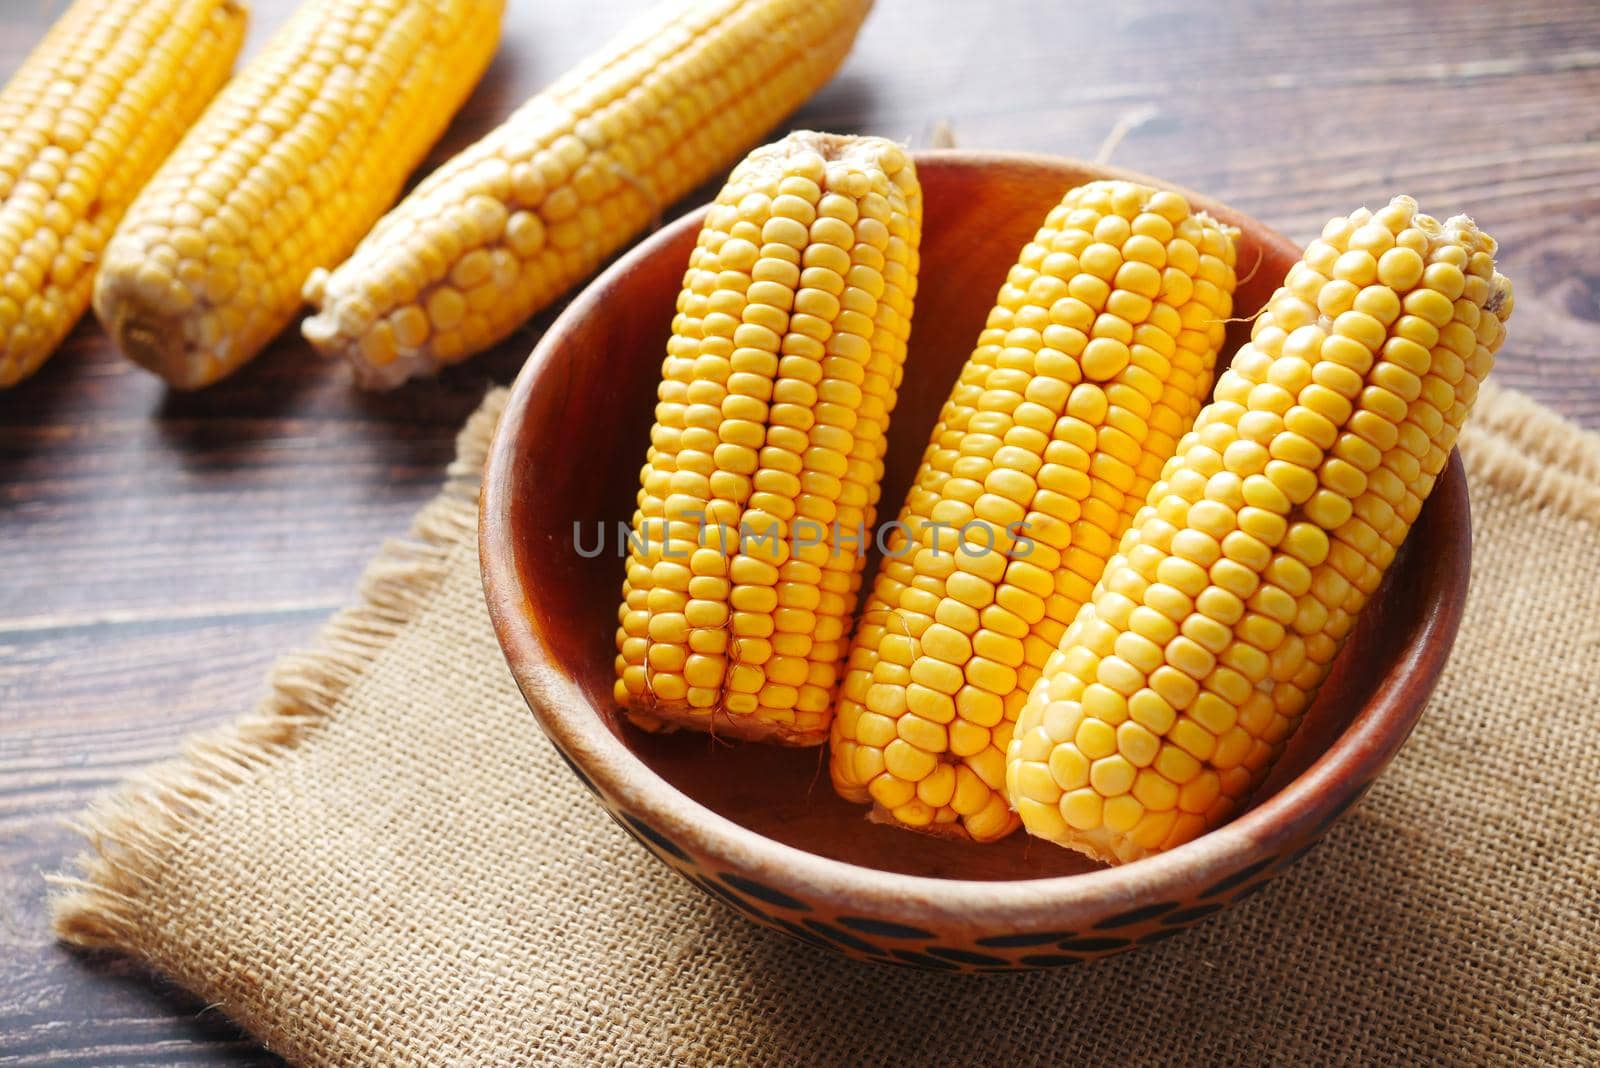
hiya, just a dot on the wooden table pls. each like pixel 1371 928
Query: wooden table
pixel 162 549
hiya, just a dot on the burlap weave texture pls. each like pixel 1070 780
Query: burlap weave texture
pixel 387 864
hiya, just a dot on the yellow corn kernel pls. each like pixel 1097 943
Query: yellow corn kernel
pixel 1061 419
pixel 573 175
pixel 1247 632
pixel 783 366
pixel 297 157
pixel 84 122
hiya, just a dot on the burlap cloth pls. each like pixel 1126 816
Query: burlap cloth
pixel 387 864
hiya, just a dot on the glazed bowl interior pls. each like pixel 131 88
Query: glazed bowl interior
pixel 566 463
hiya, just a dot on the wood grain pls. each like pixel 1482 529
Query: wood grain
pixel 162 550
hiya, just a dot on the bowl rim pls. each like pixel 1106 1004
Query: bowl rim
pixel 1333 781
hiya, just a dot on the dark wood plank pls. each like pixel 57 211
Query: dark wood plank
pixel 162 550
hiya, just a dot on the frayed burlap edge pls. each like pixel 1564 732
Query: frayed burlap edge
pixel 134 829
pixel 1512 443
pixel 1515 444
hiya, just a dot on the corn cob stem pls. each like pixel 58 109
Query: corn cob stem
pixel 1093 362
pixel 1211 630
pixel 768 447
pixel 299 155
pixel 509 224
pixel 84 122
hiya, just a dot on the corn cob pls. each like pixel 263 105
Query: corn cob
pixel 299 155
pixel 1211 630
pixel 85 121
pixel 509 224
pixel 1093 362
pixel 762 474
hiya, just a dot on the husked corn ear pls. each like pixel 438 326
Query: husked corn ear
pixel 1211 630
pixel 1093 362
pixel 297 157
pixel 762 474
pixel 86 120
pixel 509 224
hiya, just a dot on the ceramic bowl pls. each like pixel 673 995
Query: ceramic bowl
pixel 758 826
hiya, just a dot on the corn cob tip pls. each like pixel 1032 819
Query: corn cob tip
pixel 1501 297
pixel 316 285
pixel 835 148
pixel 1462 230
pixel 153 341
